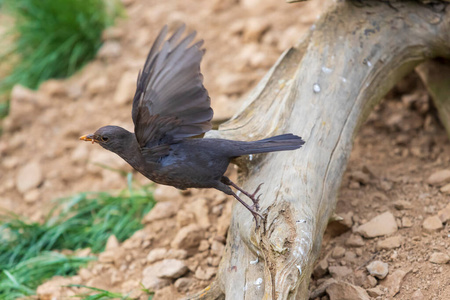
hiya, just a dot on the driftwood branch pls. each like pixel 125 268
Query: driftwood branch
pixel 322 90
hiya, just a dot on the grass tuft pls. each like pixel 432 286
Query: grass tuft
pixel 82 221
pixel 53 39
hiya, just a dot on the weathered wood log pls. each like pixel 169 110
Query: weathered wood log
pixel 322 90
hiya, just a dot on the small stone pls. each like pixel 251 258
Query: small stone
pixel 407 222
pixel 97 85
pixel 107 257
pixel 439 178
pixel 378 269
pixel 445 190
pixel 383 224
pixel 204 245
pixel 151 281
pixel 170 268
pixel 444 214
pixel 339 272
pixel 188 237
pixel 439 258
pixel 360 177
pixel 200 209
pixel 217 248
pixel 390 243
pixel 393 282
pixel 354 241
pixel 183 284
pixel 156 255
pixel 112 33
pixel 31 196
pixel 320 290
pixel 166 193
pixel 254 29
pixel 162 210
pixel 320 269
pixel 338 252
pixel 375 292
pixel 402 205
pixel 205 273
pixel 53 87
pixel 29 177
pixel 432 224
pixel 417 295
pixel 110 49
pixel 346 291
pixel 112 243
pixel 125 88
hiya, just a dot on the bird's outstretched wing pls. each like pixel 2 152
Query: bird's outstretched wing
pixel 171 102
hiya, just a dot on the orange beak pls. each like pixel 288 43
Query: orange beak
pixel 88 138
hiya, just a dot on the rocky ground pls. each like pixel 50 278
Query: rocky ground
pixel 395 197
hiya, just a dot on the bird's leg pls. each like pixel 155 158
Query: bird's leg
pixel 253 197
pixel 251 209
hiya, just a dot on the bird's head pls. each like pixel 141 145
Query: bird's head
pixel 112 138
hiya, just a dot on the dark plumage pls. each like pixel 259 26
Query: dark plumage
pixel 171 106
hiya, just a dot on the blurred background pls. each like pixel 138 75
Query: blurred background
pixel 69 67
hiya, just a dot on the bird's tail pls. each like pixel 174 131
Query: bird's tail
pixel 282 142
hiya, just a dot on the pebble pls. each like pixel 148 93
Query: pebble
pixel 383 224
pixel 188 237
pixel 110 49
pixel 125 88
pixel 97 85
pixel 378 269
pixel 354 241
pixel 360 177
pixel 170 268
pixel 151 281
pixel 320 269
pixel 205 273
pixel 156 255
pixel 417 295
pixel 199 208
pixel 445 189
pixel 402 205
pixel 320 290
pixel 406 222
pixel 439 258
pixel 346 291
pixel 393 282
pixel 339 272
pixel 254 29
pixel 162 210
pixel 439 178
pixel 444 214
pixel 431 224
pixel 374 292
pixel 166 193
pixel 183 284
pixel 112 243
pixel 390 243
pixel 29 177
pixel 338 252
pixel 31 196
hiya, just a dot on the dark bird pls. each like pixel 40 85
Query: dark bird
pixel 170 107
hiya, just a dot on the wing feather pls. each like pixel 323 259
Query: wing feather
pixel 171 102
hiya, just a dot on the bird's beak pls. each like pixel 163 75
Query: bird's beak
pixel 88 138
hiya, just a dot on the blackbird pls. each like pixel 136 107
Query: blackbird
pixel 171 107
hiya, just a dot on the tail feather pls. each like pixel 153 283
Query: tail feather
pixel 282 142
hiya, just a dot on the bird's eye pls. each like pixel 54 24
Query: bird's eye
pixel 104 138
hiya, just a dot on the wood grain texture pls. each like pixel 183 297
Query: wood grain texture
pixel 322 90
